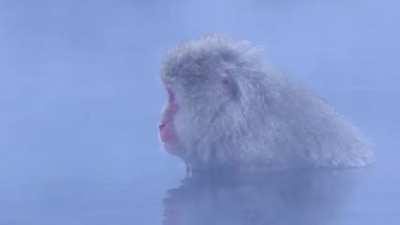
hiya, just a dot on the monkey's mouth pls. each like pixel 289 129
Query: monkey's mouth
pixel 166 127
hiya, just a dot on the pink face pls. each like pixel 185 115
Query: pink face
pixel 166 128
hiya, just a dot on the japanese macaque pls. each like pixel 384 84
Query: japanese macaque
pixel 226 109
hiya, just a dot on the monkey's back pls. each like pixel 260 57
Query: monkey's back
pixel 293 127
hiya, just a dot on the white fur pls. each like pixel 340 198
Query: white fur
pixel 262 121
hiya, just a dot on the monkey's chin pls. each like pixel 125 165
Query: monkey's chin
pixel 171 148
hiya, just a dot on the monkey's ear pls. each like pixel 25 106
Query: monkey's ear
pixel 230 87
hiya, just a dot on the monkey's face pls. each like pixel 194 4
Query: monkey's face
pixel 167 128
pixel 198 99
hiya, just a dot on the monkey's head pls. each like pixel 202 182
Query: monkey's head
pixel 208 82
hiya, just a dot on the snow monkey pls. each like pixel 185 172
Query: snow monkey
pixel 226 109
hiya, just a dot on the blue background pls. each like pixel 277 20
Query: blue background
pixel 80 96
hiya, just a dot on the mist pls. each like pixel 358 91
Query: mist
pixel 81 97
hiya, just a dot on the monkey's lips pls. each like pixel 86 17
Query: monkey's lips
pixel 167 133
pixel 166 128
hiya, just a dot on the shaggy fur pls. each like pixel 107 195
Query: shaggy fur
pixel 234 112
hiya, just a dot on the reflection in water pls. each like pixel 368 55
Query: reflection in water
pixel 295 197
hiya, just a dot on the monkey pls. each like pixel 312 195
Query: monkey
pixel 228 110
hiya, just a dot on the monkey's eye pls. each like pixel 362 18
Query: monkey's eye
pixel 225 81
pixel 229 87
